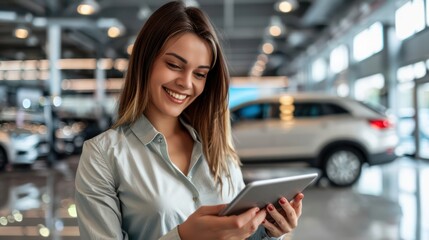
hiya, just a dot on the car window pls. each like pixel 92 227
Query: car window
pixel 333 109
pixel 273 111
pixel 307 110
pixel 249 112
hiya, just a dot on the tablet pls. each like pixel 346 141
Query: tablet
pixel 261 193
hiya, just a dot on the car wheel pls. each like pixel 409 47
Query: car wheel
pixel 343 166
pixel 3 159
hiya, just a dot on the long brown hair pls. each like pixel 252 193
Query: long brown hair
pixel 208 114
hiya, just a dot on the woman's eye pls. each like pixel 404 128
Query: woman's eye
pixel 200 75
pixel 172 65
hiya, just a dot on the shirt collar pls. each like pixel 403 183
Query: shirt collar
pixel 146 132
pixel 191 130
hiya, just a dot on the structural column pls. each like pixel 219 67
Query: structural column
pixel 53 85
pixel 100 94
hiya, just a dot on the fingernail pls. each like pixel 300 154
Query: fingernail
pixel 282 200
pixel 270 207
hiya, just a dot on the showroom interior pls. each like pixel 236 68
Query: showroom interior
pixel 62 64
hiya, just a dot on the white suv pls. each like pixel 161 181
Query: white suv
pixel 332 133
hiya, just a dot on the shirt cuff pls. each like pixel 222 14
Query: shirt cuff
pixel 265 236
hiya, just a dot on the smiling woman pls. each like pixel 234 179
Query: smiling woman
pixel 178 76
pixel 171 141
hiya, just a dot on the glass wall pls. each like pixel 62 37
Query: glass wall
pixel 423 118
pixel 369 89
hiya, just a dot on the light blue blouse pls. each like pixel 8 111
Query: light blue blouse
pixel 128 188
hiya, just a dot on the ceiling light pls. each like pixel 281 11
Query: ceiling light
pixel 275 31
pixel 88 7
pixel 21 32
pixel 114 32
pixel 276 28
pixel 267 48
pixel 262 57
pixel 286 6
pixel 130 44
pixel 130 49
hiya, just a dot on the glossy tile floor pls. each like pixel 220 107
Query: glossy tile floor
pixel 389 202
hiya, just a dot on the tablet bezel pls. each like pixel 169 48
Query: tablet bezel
pixel 262 192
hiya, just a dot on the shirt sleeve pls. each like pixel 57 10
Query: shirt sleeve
pixel 97 203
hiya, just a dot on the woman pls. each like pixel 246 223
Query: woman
pixel 167 166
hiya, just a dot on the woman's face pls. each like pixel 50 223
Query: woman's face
pixel 178 75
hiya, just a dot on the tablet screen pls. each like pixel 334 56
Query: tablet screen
pixel 262 192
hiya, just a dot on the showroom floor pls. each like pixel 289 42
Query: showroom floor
pixel 389 202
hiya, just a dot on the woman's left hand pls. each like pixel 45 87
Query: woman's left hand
pixel 284 219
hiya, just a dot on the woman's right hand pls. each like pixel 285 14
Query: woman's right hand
pixel 206 224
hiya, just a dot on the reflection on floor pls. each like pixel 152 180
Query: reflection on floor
pixel 389 202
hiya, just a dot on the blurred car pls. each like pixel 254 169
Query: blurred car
pixel 26 146
pixel 71 132
pixel 31 121
pixel 337 135
pixel 18 146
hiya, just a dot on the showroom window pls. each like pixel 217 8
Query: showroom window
pixel 409 19
pixel 339 59
pixel 373 35
pixel 342 89
pixel 318 70
pixel 427 12
pixel 411 72
pixel 368 89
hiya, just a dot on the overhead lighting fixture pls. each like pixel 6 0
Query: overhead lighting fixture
pixel 130 48
pixel 286 6
pixel 276 27
pixel 114 27
pixel 130 45
pixel 113 32
pixel 275 31
pixel 21 32
pixel 88 7
pixel 268 47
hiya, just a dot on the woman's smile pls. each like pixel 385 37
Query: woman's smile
pixel 175 96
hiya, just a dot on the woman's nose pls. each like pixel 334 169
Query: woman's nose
pixel 185 80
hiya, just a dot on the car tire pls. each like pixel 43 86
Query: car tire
pixel 343 166
pixel 3 159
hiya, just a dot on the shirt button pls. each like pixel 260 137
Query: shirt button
pixel 195 199
pixel 160 139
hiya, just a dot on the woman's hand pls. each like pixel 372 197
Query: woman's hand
pixel 206 224
pixel 284 219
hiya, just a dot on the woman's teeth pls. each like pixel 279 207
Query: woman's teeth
pixel 175 95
